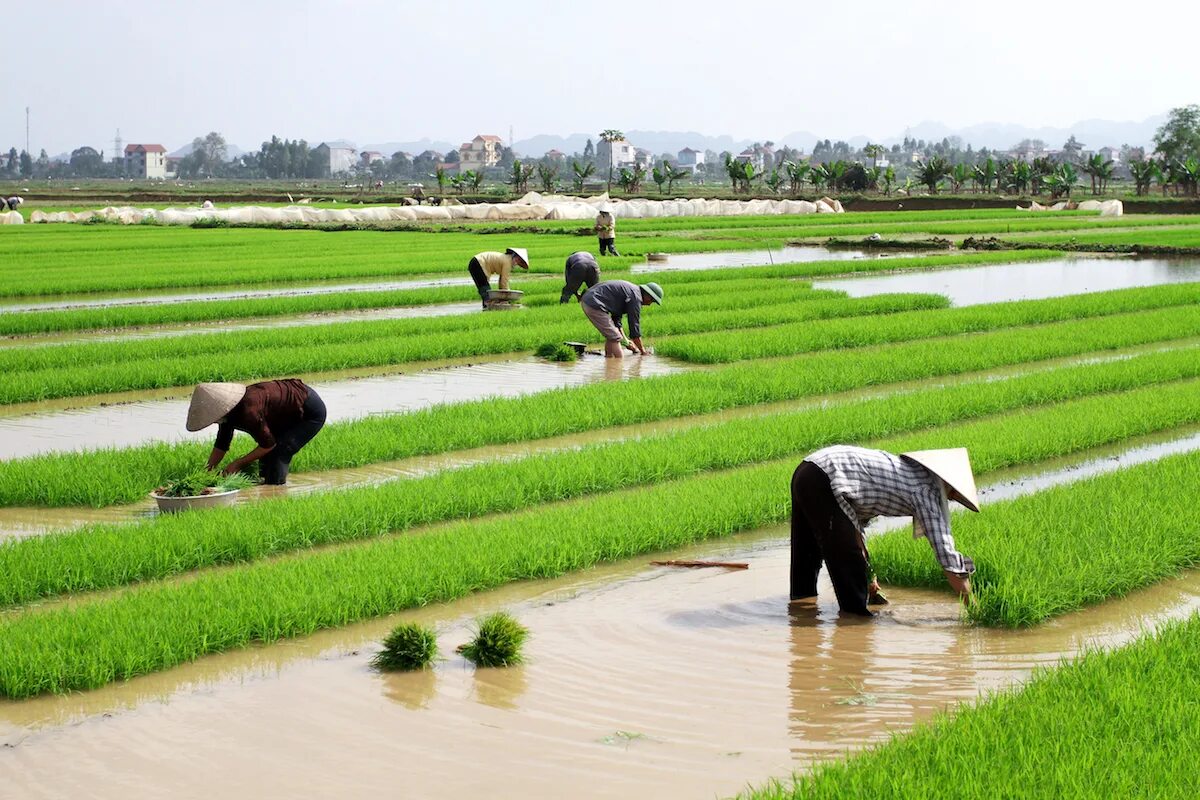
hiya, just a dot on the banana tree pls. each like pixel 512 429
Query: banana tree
pixel 659 176
pixel 1189 174
pixel 797 172
pixel 986 174
pixel 1143 172
pixel 959 175
pixel 458 183
pixel 775 180
pixel 440 175
pixel 547 177
pixel 674 174
pixel 819 175
pixel 1062 180
pixel 581 173
pixel 873 175
pixel 475 179
pixel 889 180
pixel 837 171
pixel 520 175
pixel 1099 170
pixel 931 172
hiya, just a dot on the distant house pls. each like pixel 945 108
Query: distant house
pixel 145 161
pixel 557 156
pixel 623 154
pixel 690 159
pixel 481 152
pixel 369 157
pixel 1112 154
pixel 338 156
pixel 751 156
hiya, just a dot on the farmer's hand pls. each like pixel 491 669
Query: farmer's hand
pixel 232 468
pixel 960 584
pixel 874 594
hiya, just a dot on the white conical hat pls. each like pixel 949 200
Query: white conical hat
pixel 211 401
pixel 521 253
pixel 954 467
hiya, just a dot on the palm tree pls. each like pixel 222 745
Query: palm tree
pixel 611 135
pixel 873 152
pixel 582 173
pixel 932 171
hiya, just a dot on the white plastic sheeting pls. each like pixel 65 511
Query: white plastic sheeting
pixel 1107 208
pixel 11 218
pixel 532 206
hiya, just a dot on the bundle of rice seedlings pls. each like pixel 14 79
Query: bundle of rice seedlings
pixel 410 646
pixel 552 351
pixel 497 642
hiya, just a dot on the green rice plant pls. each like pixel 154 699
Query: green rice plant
pixel 201 482
pixel 410 646
pixel 103 556
pixel 497 642
pixel 1110 724
pixel 159 625
pixel 553 351
pixel 113 475
pixel 59 371
pixel 1069 546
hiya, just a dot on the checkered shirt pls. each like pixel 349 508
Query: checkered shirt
pixel 873 483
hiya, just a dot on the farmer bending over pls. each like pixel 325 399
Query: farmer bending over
pixel 484 265
pixel 581 269
pixel 606 303
pixel 837 490
pixel 282 416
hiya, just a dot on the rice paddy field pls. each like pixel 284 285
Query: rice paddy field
pixel 462 482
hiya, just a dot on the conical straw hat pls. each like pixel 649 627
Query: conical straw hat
pixel 211 401
pixel 521 253
pixel 954 467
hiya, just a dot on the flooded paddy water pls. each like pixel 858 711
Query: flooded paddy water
pixel 1030 281
pixel 127 420
pixel 641 681
pixel 791 254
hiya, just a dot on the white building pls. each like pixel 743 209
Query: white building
pixel 145 161
pixel 340 156
pixel 623 154
pixel 690 159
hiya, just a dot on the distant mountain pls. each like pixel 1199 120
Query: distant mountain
pixel 412 148
pixel 1093 133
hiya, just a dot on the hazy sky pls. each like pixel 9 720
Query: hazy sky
pixel 377 71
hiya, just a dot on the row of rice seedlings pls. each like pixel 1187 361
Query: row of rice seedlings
pixel 338 346
pixel 1178 237
pixel 110 475
pixel 1121 723
pixel 1069 546
pixel 104 555
pixel 714 348
pixel 263 353
pixel 97 641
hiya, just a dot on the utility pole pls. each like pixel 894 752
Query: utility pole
pixel 117 142
pixel 27 131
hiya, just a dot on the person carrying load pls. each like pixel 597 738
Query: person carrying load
pixel 837 490
pixel 606 303
pixel 282 416
pixel 484 265
pixel 581 269
pixel 606 230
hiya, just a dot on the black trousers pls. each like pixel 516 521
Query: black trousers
pixel 481 279
pixel 277 463
pixel 606 246
pixel 577 277
pixel 821 532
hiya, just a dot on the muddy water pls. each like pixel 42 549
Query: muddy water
pixel 255 323
pixel 792 254
pixel 137 422
pixel 992 284
pixel 640 682
pixel 291 290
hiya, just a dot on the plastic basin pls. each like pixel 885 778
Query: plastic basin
pixel 171 505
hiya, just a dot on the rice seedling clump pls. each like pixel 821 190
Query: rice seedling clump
pixel 552 351
pixel 410 646
pixel 497 642
pixel 203 482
